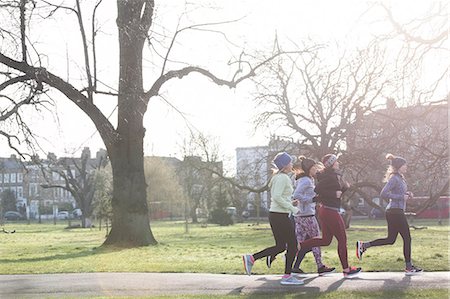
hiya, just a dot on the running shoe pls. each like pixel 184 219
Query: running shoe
pixel 269 260
pixel 352 272
pixel 291 280
pixel 413 270
pixel 324 270
pixel 359 249
pixel 248 263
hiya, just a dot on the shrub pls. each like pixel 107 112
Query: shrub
pixel 220 217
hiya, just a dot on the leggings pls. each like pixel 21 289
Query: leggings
pixel 306 228
pixel 284 234
pixel 397 224
pixel 332 225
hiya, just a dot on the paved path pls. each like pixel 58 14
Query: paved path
pixel 146 284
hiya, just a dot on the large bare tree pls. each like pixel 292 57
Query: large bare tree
pixel 24 67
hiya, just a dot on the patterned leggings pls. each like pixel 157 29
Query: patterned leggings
pixel 306 228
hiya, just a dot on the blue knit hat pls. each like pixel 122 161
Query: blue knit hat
pixel 282 160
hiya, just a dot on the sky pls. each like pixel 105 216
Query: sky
pixel 226 115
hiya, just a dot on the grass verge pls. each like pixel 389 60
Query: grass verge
pixel 48 248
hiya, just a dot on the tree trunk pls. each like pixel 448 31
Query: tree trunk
pixel 130 222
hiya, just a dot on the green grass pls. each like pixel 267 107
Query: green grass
pixel 48 248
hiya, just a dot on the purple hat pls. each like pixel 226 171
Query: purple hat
pixel 328 160
pixel 282 160
pixel 396 161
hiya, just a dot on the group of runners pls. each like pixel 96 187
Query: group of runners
pixel 317 188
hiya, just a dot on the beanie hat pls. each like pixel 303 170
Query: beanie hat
pixel 306 164
pixel 328 160
pixel 282 160
pixel 396 161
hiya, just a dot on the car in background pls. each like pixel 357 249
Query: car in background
pixel 76 214
pixel 62 215
pixel 13 215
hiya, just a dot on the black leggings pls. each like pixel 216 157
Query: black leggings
pixel 397 224
pixel 284 234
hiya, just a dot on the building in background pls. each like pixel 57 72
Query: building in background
pixel 25 180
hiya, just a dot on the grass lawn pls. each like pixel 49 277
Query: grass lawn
pixel 48 248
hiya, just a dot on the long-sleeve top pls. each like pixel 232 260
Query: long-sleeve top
pixel 304 192
pixel 281 194
pixel 328 182
pixel 395 190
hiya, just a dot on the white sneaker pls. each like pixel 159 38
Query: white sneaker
pixel 291 280
pixel 413 271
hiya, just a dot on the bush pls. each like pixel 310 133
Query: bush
pixel 45 210
pixel 65 206
pixel 220 217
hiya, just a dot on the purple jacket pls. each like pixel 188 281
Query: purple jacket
pixel 395 190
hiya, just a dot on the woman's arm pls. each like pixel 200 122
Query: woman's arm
pixel 304 191
pixel 387 193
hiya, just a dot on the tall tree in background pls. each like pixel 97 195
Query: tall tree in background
pixel 316 98
pixel 164 191
pixel 24 68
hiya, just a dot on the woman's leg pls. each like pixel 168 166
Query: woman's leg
pixel 302 234
pixel 314 231
pixel 393 230
pixel 291 242
pixel 277 226
pixel 326 224
pixel 406 235
pixel 338 230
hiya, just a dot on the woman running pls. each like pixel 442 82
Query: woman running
pixel 330 187
pixel 396 192
pixel 306 225
pixel 282 229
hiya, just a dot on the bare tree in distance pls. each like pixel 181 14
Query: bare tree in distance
pixel 421 53
pixel 316 99
pixel 201 153
pixel 79 178
pixel 418 133
pixel 23 65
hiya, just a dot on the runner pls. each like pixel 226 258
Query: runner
pixel 282 229
pixel 396 191
pixel 306 225
pixel 330 187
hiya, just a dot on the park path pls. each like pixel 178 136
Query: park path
pixel 78 285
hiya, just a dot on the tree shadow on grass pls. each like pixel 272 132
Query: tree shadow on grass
pixel 86 252
pixel 271 288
